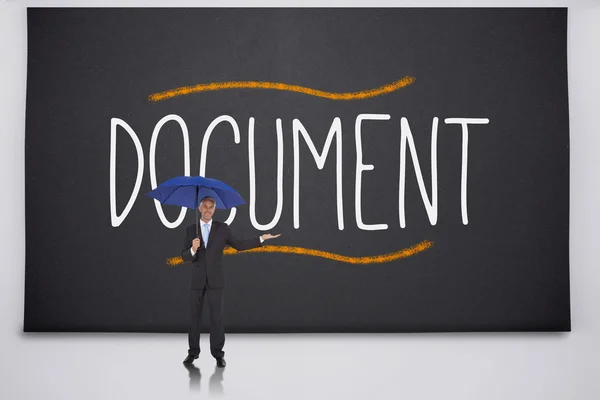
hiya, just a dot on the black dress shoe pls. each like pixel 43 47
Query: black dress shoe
pixel 221 362
pixel 189 359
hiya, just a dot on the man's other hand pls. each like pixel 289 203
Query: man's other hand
pixel 268 236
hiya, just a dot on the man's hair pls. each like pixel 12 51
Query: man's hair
pixel 207 198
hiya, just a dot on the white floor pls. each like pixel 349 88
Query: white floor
pixel 390 366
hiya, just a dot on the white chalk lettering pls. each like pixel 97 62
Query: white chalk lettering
pixel 406 137
pixel 275 219
pixel 152 161
pixel 407 146
pixel 203 154
pixel 465 146
pixel 360 167
pixel 115 219
pixel 334 130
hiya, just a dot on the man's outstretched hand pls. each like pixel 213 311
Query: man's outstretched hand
pixel 268 236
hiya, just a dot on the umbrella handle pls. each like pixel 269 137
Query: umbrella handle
pixel 196 207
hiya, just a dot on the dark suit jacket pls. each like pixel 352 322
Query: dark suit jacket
pixel 207 263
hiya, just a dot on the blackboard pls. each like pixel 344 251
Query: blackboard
pixel 318 117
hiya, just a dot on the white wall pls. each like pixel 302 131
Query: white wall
pixel 416 366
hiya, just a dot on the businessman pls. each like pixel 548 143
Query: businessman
pixel 208 278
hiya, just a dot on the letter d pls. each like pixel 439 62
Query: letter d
pixel 115 219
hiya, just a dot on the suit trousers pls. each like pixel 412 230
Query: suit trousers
pixel 217 330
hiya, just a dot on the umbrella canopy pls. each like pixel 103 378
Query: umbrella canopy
pixel 187 191
pixel 182 191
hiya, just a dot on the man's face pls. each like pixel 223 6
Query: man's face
pixel 207 209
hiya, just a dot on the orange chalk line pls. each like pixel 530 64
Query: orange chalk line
pixel 213 86
pixel 407 252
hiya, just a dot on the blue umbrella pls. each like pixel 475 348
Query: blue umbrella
pixel 186 191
